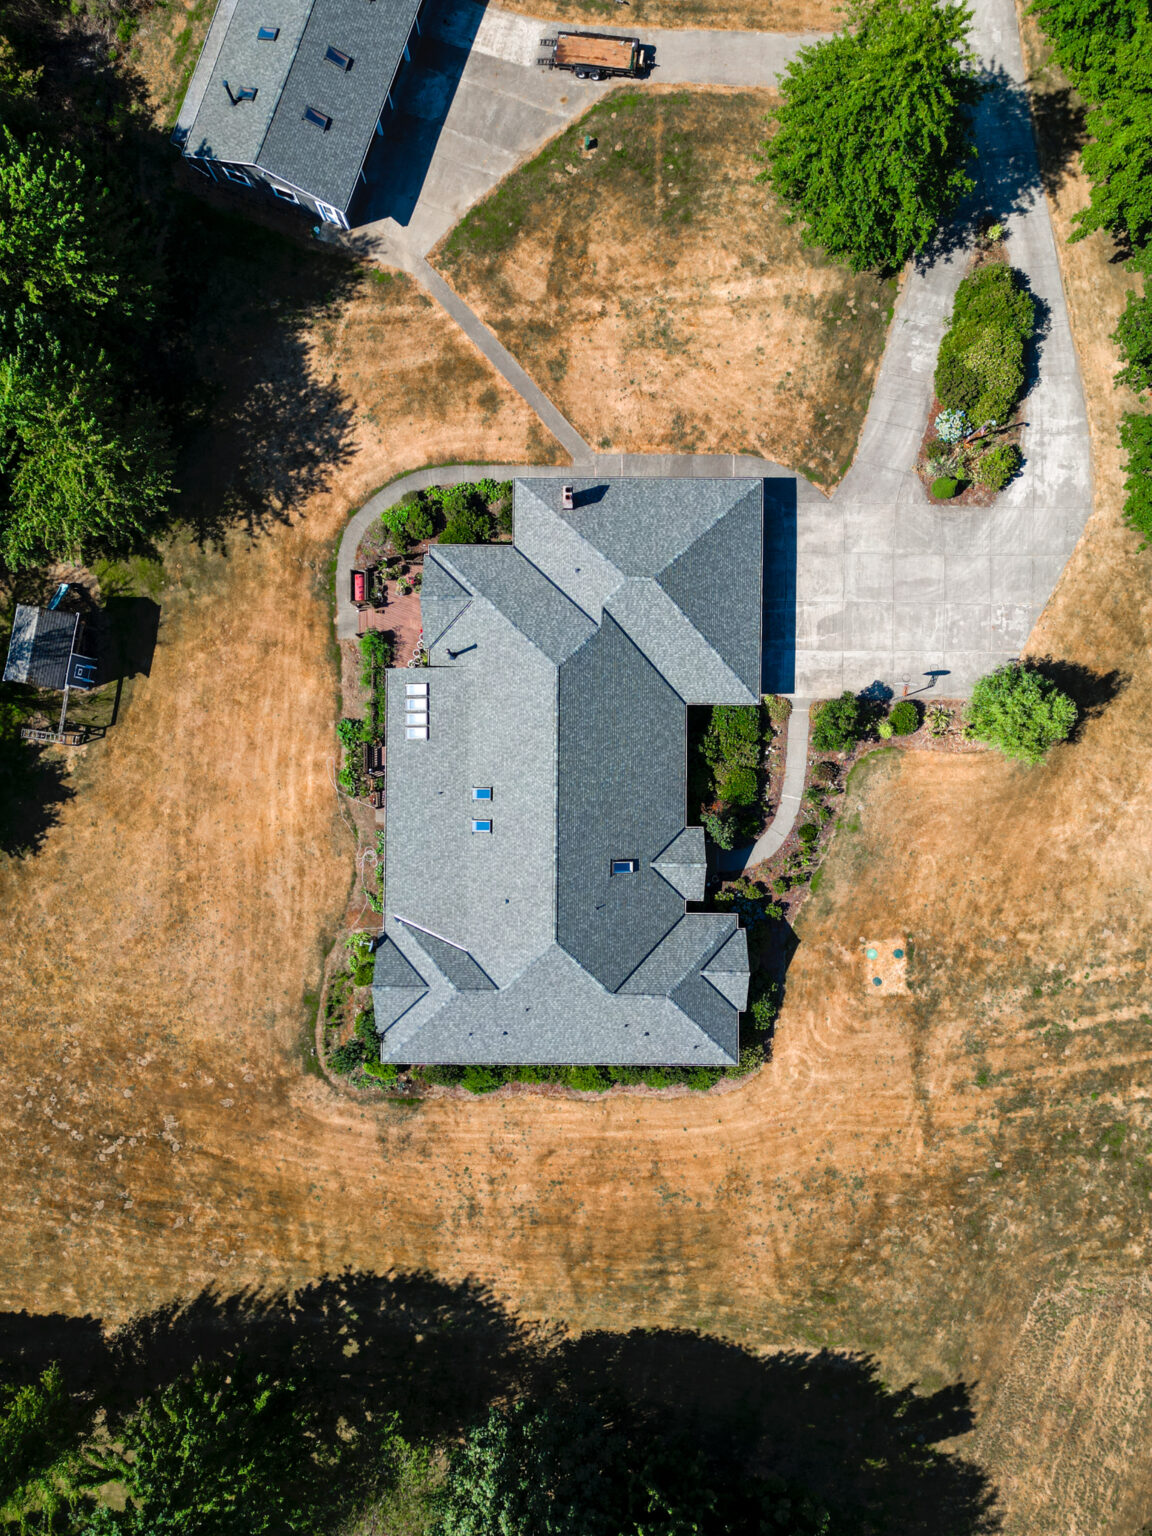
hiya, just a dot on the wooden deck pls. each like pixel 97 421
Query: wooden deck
pixel 577 48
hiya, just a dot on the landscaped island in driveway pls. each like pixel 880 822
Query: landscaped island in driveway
pixel 538 864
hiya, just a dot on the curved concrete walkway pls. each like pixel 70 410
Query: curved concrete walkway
pixel 775 834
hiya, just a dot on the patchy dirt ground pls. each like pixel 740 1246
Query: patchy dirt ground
pixel 657 294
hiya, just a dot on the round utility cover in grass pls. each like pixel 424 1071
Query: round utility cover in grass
pixel 885 963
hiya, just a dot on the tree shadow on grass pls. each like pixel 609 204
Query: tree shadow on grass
pixel 437 1354
pixel 1090 691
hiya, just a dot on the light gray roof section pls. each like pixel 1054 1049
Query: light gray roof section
pixel 556 1013
pixel 524 595
pixel 456 965
pixel 684 864
pixel 717 584
pixel 620 795
pixel 683 950
pixel 641 526
pixel 40 647
pixel 442 599
pixel 557 549
pixel 327 162
pixel 675 647
pixel 222 130
pixel 492 725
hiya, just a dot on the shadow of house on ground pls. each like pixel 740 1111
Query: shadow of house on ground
pixel 778 625
pixel 398 161
pixel 436 1354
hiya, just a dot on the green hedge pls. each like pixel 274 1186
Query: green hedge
pixel 980 368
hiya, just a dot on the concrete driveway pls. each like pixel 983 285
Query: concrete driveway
pixel 475 104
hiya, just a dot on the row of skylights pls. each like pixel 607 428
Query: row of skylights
pixel 416 711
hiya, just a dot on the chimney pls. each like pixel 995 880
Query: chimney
pixel 566 498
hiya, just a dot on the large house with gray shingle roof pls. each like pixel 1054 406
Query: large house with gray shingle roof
pixel 288 95
pixel 538 865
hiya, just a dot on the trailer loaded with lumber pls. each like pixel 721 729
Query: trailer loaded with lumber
pixel 593 55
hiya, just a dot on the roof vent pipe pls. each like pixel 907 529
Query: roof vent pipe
pixel 566 497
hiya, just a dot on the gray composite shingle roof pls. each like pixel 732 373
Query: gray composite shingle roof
pixel 560 668
pixel 292 73
pixel 40 647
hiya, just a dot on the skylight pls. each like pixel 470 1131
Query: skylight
pixel 268 34
pixel 314 115
pixel 341 60
pixel 481 826
pixel 483 793
pixel 241 93
pixel 625 866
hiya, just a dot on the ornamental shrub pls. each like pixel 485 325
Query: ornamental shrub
pixel 385 1072
pixel 884 729
pixel 738 786
pixel 944 488
pixel 808 833
pixel 1020 711
pixel 951 426
pixel 347 1057
pixel 721 829
pixel 980 367
pixel 479 1080
pixel 734 735
pixel 904 717
pixel 467 525
pixel 837 724
pixel 996 467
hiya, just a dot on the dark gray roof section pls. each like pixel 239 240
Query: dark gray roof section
pixel 558 681
pixel 392 969
pixel 714 1014
pixel 620 795
pixel 538 609
pixel 727 612
pixel 291 74
pixel 326 162
pixel 233 131
pixel 684 864
pixel 456 965
pixel 40 647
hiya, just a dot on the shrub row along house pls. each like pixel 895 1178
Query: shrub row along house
pixel 537 861
pixel 288 95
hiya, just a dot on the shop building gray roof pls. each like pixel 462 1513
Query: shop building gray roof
pixel 291 73
pixel 559 672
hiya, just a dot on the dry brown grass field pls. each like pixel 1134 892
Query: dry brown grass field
pixel 957 1179
pixel 738 15
pixel 658 295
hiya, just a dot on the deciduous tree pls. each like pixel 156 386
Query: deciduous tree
pixel 875 131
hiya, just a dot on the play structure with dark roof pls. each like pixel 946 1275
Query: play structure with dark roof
pixel 44 650
pixel 537 864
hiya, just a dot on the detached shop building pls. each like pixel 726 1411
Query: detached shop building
pixel 288 95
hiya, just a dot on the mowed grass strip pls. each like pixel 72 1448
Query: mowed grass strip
pixel 661 296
